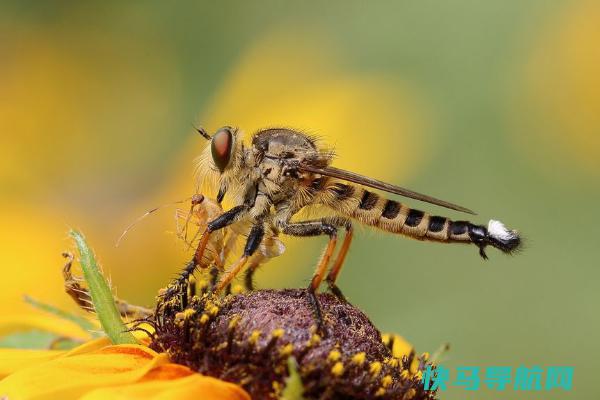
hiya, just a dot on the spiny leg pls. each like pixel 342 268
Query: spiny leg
pixel 323 263
pixel 82 296
pixel 339 262
pixel 232 273
pixel 199 253
pixel 222 221
pixel 315 228
pixel 73 288
pixel 254 239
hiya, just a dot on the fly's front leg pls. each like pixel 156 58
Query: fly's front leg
pixel 315 228
pixel 222 221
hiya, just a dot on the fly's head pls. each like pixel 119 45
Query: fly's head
pixel 223 160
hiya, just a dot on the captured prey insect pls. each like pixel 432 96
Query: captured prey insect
pixel 285 171
pixel 221 244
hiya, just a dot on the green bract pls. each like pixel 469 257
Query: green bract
pixel 102 297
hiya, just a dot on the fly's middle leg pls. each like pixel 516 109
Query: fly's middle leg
pixel 249 275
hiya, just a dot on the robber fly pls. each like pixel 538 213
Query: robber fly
pixel 284 171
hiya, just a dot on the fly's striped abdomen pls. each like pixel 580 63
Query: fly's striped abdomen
pixel 392 216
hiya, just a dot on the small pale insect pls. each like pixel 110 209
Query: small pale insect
pixel 284 171
pixel 222 244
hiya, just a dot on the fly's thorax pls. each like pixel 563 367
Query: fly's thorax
pixel 282 143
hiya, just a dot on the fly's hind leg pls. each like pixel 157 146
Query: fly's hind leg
pixel 339 262
pixel 316 228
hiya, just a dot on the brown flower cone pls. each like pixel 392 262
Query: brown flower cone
pixel 248 338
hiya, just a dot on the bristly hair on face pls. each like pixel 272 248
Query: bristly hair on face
pixel 207 174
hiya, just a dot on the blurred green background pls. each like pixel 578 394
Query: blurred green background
pixel 494 105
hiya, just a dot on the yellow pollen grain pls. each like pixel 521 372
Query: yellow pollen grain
pixel 315 339
pixel 386 381
pixel 222 346
pixel 204 319
pixel 234 321
pixel 277 333
pixel 392 362
pixel 419 375
pixel 375 368
pixel 359 358
pixel 414 366
pixel 337 369
pixel 425 356
pixel 385 338
pixel 237 289
pixel 213 310
pixel 189 312
pixel 334 355
pixel 287 350
pixel 254 336
pixel 276 386
pixel 404 374
pixel 380 392
pixel 410 393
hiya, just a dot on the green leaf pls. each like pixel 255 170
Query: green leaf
pixel 80 321
pixel 34 339
pixel 102 297
pixel 293 383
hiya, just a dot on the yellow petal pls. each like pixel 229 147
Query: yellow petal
pixel 75 374
pixel 89 347
pixel 12 360
pixel 194 387
pixel 43 322
pixel 557 98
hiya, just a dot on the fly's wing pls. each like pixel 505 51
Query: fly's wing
pixel 377 184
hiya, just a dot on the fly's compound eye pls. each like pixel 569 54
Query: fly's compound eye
pixel 221 146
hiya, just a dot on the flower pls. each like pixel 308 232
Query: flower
pixel 237 343
pixel 261 341
pixel 97 370
pixel 557 97
pixel 248 339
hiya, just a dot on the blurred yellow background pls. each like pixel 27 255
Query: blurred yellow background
pixel 494 105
